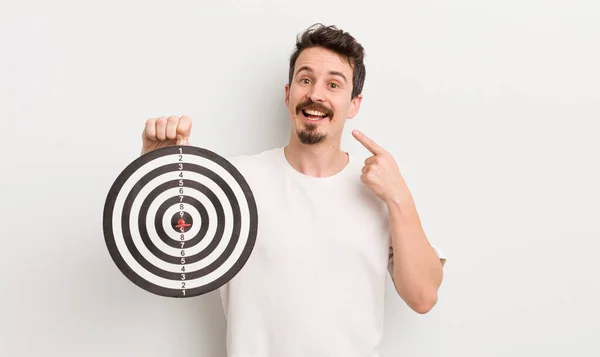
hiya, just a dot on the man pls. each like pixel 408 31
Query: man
pixel 330 228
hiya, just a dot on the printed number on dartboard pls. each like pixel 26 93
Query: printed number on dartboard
pixel 181 214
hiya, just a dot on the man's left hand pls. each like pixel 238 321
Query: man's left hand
pixel 381 173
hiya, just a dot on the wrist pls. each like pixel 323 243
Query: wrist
pixel 399 201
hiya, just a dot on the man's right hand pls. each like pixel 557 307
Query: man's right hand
pixel 166 131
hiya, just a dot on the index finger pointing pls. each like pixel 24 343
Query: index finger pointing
pixel 368 143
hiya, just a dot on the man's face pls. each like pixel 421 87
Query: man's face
pixel 319 96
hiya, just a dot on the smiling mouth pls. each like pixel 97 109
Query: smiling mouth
pixel 314 115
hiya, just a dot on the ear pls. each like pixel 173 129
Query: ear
pixel 287 95
pixel 354 106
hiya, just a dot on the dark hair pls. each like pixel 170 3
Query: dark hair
pixel 338 41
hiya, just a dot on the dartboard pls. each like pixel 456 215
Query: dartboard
pixel 180 221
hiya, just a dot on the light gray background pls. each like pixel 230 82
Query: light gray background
pixel 490 107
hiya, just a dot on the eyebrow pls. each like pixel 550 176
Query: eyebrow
pixel 334 73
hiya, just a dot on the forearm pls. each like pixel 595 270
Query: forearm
pixel 417 272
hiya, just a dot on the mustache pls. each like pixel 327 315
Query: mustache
pixel 310 105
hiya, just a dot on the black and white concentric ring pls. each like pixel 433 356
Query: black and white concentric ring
pixel 212 206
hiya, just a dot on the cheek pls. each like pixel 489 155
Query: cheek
pixel 295 96
pixel 341 108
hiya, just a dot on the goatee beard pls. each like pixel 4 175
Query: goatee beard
pixel 310 136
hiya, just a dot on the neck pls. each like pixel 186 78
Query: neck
pixel 317 160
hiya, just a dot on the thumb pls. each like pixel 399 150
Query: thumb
pixel 184 127
pixel 182 140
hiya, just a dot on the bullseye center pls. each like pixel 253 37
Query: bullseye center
pixel 182 222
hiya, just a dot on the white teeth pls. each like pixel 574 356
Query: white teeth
pixel 315 113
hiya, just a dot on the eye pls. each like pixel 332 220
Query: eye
pixel 305 81
pixel 333 85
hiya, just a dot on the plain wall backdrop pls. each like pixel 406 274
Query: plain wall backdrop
pixel 491 109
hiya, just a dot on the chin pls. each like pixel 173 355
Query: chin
pixel 310 135
pixel 311 138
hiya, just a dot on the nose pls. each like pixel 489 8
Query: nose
pixel 317 93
